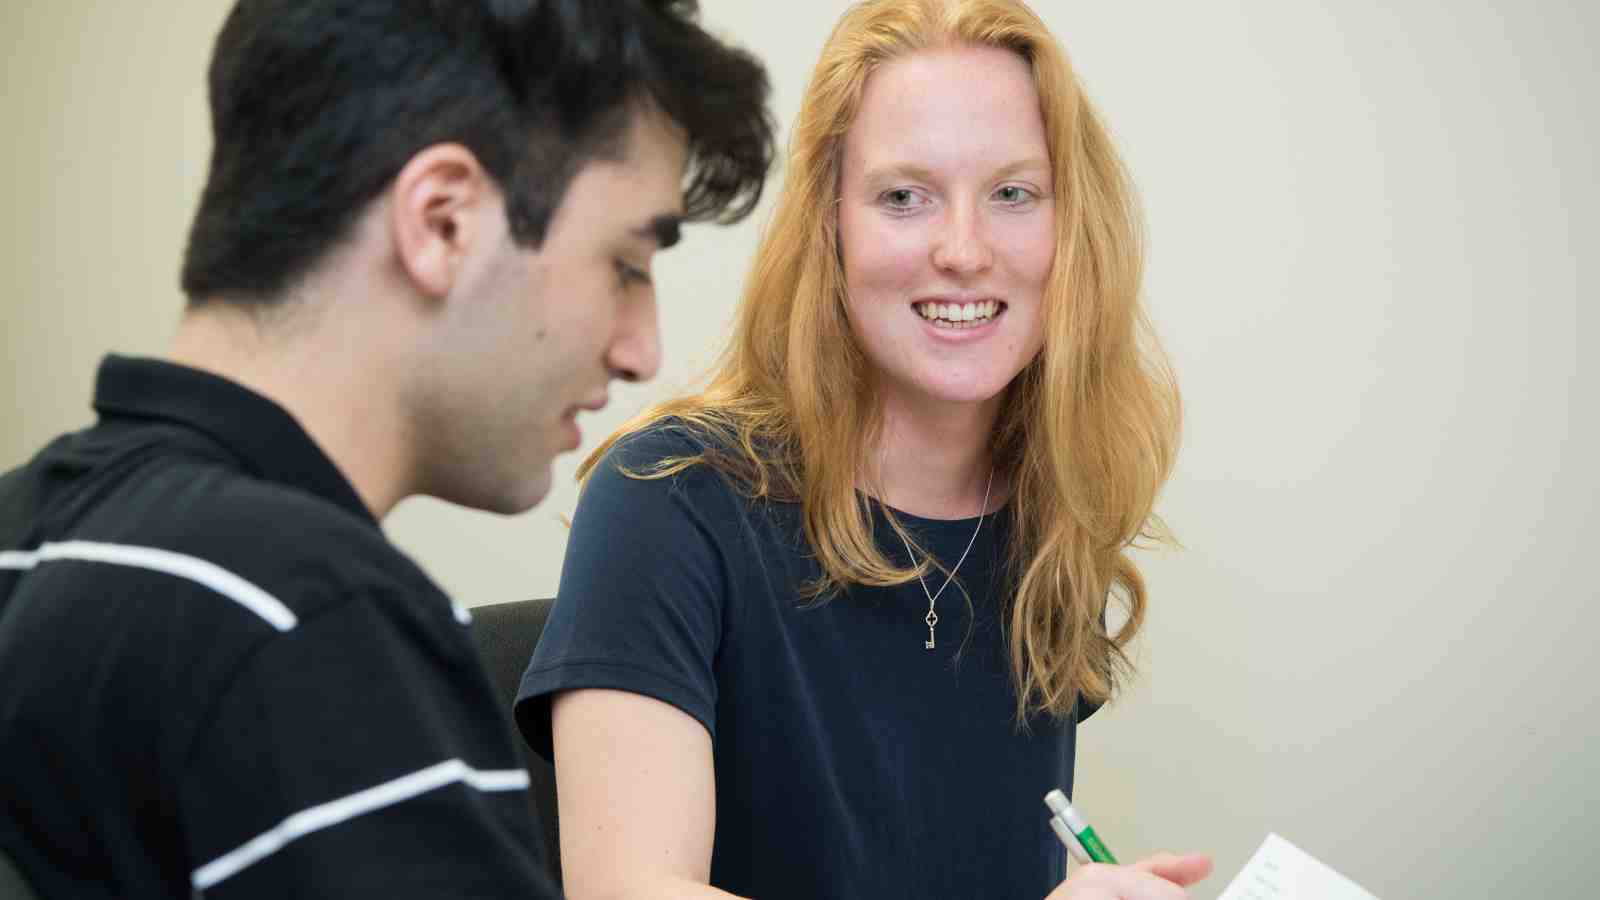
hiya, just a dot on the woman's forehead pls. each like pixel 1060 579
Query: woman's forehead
pixel 951 108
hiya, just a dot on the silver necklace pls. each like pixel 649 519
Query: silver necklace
pixel 932 618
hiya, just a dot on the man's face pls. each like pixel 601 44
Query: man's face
pixel 537 335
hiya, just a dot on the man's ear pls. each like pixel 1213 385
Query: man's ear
pixel 436 214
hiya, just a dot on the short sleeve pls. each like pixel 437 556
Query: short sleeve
pixel 640 607
pixel 312 778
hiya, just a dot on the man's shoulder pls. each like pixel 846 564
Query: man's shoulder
pixel 279 536
pixel 175 522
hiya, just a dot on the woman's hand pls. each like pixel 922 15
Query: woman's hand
pixel 1160 877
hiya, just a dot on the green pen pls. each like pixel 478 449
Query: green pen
pixel 1062 810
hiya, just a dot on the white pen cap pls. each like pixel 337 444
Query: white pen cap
pixel 1058 804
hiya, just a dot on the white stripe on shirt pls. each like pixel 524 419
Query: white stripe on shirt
pixel 192 568
pixel 343 809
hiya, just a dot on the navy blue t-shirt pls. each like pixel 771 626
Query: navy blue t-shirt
pixel 850 760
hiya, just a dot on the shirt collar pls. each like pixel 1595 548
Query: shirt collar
pixel 262 435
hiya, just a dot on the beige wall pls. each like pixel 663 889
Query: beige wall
pixel 1372 232
pixel 104 114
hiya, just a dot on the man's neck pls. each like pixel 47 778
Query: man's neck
pixel 326 371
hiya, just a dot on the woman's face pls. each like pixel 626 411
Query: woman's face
pixel 947 224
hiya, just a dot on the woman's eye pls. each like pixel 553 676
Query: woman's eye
pixel 1012 195
pixel 901 199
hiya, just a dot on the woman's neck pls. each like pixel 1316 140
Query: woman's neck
pixel 934 460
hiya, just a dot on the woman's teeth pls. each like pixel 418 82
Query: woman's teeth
pixel 958 315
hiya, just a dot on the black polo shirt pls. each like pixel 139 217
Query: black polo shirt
pixel 218 678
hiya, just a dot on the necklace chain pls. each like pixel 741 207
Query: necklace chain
pixel 932 618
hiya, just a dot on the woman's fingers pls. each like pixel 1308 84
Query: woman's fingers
pixel 1180 870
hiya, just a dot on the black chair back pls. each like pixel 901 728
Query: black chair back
pixel 506 634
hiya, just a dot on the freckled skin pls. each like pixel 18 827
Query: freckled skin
pixel 945 193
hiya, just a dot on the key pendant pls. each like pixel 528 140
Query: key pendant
pixel 932 620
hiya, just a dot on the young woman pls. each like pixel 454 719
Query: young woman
pixel 828 627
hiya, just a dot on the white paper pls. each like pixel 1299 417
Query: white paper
pixel 1282 871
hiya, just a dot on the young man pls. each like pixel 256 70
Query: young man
pixel 423 247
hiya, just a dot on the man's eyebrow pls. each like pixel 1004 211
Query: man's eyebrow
pixel 663 229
